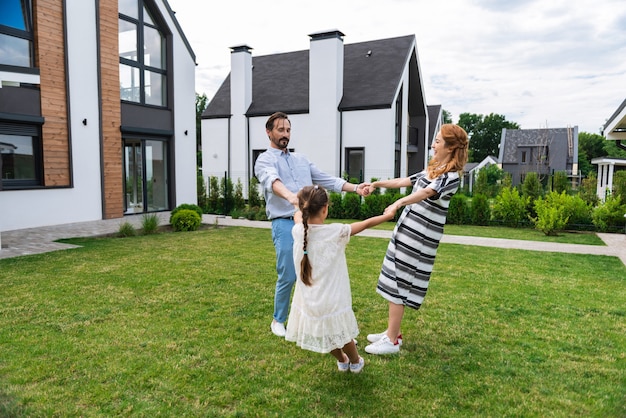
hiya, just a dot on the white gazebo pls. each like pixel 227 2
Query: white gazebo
pixel 614 130
pixel 606 169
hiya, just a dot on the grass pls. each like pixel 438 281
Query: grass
pixel 178 325
pixel 527 234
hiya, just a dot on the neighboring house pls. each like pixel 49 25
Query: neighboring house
pixel 614 130
pixel 471 170
pixel 355 109
pixel 543 151
pixel 97 111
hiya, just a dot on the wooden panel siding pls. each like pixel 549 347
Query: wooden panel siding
pixel 50 47
pixel 113 193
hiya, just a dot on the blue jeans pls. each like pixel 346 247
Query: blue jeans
pixel 283 243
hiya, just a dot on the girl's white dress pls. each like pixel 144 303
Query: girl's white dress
pixel 321 317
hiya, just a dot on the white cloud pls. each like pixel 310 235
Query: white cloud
pixel 539 63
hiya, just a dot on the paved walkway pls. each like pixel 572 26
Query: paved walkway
pixel 40 240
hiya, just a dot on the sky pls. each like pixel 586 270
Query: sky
pixel 541 64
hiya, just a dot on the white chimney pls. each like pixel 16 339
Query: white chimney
pixel 325 93
pixel 240 79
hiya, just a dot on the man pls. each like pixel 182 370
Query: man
pixel 281 174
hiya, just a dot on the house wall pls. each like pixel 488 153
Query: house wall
pixel 81 202
pixel 86 159
pixel 366 129
pixel 214 147
pixel 184 105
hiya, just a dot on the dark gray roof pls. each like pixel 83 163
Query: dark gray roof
pixel 372 72
pixel 433 115
pixel 555 138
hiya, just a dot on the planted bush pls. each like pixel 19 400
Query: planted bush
pixel 149 223
pixel 480 212
pixel 186 220
pixel 352 206
pixel 459 210
pixel 609 215
pixel 186 206
pixel 510 208
pixel 551 213
pixel 126 229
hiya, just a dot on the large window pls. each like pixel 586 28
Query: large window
pixel 142 49
pixel 20 155
pixel 16 34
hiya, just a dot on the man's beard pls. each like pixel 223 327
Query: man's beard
pixel 279 144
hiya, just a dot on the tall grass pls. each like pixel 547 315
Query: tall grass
pixel 177 325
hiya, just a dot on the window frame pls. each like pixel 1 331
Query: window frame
pixel 26 34
pixel 140 23
pixel 15 128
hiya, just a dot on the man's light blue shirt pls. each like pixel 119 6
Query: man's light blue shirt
pixel 295 171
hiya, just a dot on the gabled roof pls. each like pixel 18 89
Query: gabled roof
pixel 372 72
pixel 434 113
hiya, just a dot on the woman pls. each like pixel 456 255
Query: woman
pixel 410 256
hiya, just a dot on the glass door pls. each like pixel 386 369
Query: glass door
pixel 146 184
pixel 133 176
pixel 156 176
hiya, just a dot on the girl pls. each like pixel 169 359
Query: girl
pixel 410 256
pixel 321 317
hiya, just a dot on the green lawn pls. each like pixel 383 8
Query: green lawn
pixel 177 325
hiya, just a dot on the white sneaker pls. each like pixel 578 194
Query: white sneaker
pixel 278 328
pixel 356 368
pixel 383 346
pixel 376 337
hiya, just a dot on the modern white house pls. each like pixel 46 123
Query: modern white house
pixel 356 110
pixel 97 111
pixel 614 130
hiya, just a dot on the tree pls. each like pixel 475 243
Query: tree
pixel 447 116
pixel 485 133
pixel 201 103
pixel 590 146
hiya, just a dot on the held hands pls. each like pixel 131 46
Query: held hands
pixel 391 209
pixel 370 188
pixel 363 189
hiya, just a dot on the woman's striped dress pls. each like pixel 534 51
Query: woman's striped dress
pixel 411 251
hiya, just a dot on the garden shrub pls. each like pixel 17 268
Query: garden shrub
pixel 254 197
pixel 351 206
pixel 126 229
pixel 531 191
pixel 227 200
pixel 373 205
pixel 619 185
pixel 185 206
pixel 186 220
pixel 480 212
pixel 213 199
pixel 459 210
pixel 551 213
pixel 510 208
pixel 609 215
pixel 587 190
pixel 335 206
pixel 239 202
pixel 560 182
pixel 149 223
pixel 201 189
